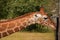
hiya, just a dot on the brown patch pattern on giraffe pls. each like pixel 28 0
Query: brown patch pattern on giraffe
pixel 10 31
pixel 21 27
pixel 24 24
pixel 4 34
pixel 18 23
pixel 0 35
pixel 16 29
pixel 11 25
pixel 3 27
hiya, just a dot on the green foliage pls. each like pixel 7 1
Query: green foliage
pixel 13 8
pixel 37 28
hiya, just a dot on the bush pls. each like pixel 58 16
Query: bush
pixel 13 8
pixel 37 28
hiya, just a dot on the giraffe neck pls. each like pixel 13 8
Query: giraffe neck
pixel 9 27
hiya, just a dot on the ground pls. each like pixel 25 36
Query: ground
pixel 30 36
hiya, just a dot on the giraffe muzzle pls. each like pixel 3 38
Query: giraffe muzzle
pixel 53 27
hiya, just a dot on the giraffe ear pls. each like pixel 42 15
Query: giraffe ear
pixel 42 10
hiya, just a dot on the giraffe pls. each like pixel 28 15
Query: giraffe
pixel 14 25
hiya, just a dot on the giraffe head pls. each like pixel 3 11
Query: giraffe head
pixel 44 19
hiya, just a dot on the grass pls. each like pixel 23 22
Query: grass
pixel 30 36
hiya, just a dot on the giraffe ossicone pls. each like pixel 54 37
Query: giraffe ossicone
pixel 13 25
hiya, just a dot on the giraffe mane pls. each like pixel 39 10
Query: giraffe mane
pixel 26 14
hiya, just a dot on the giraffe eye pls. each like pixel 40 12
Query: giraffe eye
pixel 36 16
pixel 45 18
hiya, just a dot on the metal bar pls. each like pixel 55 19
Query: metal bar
pixel 57 26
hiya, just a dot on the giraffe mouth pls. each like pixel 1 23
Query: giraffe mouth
pixel 49 25
pixel 53 27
